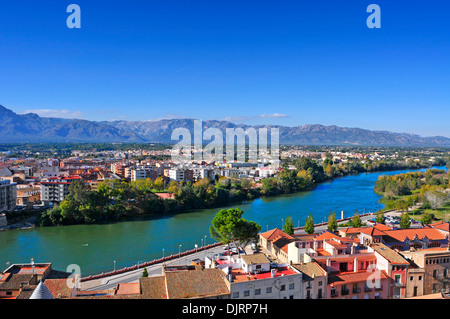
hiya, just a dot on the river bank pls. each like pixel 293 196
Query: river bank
pixel 95 247
pixel 124 201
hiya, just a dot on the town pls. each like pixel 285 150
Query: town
pixel 376 259
pixel 373 262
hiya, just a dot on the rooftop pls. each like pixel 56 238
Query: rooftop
pixel 240 275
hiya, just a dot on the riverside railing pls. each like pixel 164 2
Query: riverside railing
pixel 149 263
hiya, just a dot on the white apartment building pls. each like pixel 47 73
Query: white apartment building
pixel 255 277
pixel 55 189
pixel 8 196
pixel 176 175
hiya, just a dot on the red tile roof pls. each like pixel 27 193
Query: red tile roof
pixel 420 233
pixel 326 235
pixel 275 233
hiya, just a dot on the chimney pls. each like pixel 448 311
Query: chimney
pixel 272 273
pixel 355 264
pixel 342 214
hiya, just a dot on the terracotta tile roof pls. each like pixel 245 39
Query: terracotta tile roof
pixel 390 255
pixel 58 288
pixel 128 289
pixel 253 259
pixel 196 283
pixel 153 287
pixel 311 269
pixel 282 243
pixel 275 233
pixel 353 277
pixel 352 230
pixel 335 244
pixel 372 231
pixel 402 234
pixel 380 226
pixel 441 225
pixel 326 235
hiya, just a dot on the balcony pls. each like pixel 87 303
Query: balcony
pixel 345 292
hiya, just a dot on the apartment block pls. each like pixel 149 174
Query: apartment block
pixel 8 196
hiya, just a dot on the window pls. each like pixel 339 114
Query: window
pixel 268 290
pixel 420 277
pixel 434 273
pixel 283 287
pixel 236 294
pixel 320 283
pixel 257 291
pixel 291 286
pixel 246 293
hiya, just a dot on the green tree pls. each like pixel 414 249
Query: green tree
pixel 289 226
pixel 356 220
pixel 309 225
pixel 404 221
pixel 332 222
pixel 380 217
pixel 426 218
pixel 145 273
pixel 229 226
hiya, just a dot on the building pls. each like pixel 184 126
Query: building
pixel 255 276
pixel 8 196
pixel 19 281
pixel 396 267
pixel 404 239
pixel 28 196
pixel 314 280
pixel 430 272
pixel 55 189
pixel 176 282
pixel 143 173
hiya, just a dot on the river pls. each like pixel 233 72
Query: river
pixel 95 247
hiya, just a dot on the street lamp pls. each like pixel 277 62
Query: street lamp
pixel 179 251
pixel 205 240
pixel 114 265
pixel 282 223
pixel 163 252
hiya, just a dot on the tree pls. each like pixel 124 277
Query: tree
pixel 145 273
pixel 309 225
pixel 380 217
pixel 332 222
pixel 404 221
pixel 356 220
pixel 436 197
pixel 229 226
pixel 289 226
pixel 426 218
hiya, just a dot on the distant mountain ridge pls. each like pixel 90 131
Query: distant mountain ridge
pixel 31 128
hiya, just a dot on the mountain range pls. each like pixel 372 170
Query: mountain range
pixel 32 128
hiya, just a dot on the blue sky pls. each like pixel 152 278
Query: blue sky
pixel 257 62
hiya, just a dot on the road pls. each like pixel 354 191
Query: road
pixel 154 270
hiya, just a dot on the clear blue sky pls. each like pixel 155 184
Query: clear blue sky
pixel 280 62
